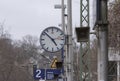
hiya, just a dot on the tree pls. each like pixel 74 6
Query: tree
pixel 26 48
pixel 114 27
pixel 13 54
pixel 7 55
pixel 114 23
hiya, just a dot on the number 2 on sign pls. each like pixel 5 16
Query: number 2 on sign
pixel 38 75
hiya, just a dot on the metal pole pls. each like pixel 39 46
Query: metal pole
pixel 103 42
pixel 118 62
pixel 70 52
pixel 65 47
pixel 84 46
pixel 118 70
pixel 102 57
pixel 63 17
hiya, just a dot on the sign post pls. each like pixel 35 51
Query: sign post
pixel 48 74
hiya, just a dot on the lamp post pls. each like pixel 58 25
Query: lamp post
pixel 70 47
pixel 62 7
pixel 118 62
pixel 102 30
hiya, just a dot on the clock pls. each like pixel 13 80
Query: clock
pixel 52 39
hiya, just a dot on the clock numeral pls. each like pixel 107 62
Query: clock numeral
pixel 47 30
pixel 42 39
pixel 61 34
pixel 43 33
pixel 57 48
pixel 43 44
pixel 61 44
pixel 62 39
pixel 47 48
pixel 52 29
pixel 52 49
pixel 57 30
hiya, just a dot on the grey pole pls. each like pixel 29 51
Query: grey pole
pixel 69 29
pixel 118 70
pixel 118 62
pixel 63 28
pixel 63 17
pixel 103 42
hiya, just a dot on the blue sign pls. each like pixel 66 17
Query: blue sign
pixel 49 76
pixel 54 71
pixel 39 74
pixel 50 73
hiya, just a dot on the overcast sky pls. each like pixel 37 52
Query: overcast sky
pixel 23 17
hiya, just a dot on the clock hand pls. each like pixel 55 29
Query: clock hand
pixel 54 42
pixel 51 38
pixel 48 35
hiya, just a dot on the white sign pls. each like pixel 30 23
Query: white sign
pixel 41 80
pixel 113 55
pixel 60 79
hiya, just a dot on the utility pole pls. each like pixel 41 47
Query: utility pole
pixel 64 50
pixel 118 62
pixel 84 59
pixel 70 47
pixel 63 17
pixel 102 30
pixel 65 47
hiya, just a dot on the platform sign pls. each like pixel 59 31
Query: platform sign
pixel 39 74
pixel 48 73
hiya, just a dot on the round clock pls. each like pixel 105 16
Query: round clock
pixel 52 39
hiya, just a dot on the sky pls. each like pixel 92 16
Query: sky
pixel 31 17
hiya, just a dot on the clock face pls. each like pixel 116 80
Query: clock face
pixel 52 39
